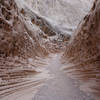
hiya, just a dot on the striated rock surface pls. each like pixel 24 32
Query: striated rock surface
pixel 83 51
pixel 20 51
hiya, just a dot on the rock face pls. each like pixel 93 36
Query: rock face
pixel 63 14
pixel 15 38
pixel 83 50
pixel 18 49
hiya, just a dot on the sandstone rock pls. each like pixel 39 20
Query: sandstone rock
pixel 83 50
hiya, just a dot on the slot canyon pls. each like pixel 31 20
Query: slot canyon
pixel 49 50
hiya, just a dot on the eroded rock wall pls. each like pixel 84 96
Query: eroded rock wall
pixel 83 50
pixel 15 38
pixel 19 49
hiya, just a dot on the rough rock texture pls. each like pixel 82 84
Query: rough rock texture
pixel 18 49
pixel 83 50
pixel 63 14
pixel 53 38
pixel 15 38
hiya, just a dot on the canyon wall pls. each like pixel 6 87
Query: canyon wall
pixel 16 39
pixel 83 51
pixel 19 49
pixel 62 14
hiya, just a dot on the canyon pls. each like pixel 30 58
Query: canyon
pixel 49 50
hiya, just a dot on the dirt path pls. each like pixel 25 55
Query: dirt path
pixel 60 87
